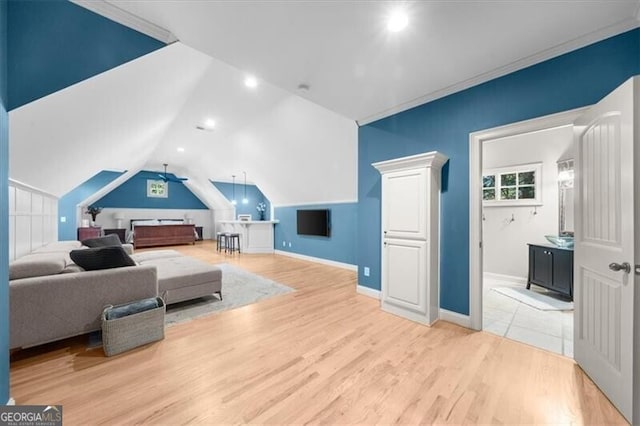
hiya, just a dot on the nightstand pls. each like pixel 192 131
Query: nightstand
pixel 90 232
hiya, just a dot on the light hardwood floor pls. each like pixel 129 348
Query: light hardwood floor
pixel 321 354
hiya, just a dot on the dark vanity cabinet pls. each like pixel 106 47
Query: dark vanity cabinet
pixel 552 268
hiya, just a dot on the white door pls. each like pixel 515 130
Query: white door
pixel 604 276
pixel 404 266
pixel 404 214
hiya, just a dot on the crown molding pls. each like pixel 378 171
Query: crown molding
pixel 571 45
pixel 127 19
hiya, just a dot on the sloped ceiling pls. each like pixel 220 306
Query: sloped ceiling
pixel 112 121
pixel 137 115
pixel 358 69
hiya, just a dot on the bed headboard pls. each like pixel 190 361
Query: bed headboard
pixel 154 222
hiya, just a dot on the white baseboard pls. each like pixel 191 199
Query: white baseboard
pixel 319 260
pixel 366 291
pixel 456 318
pixel 11 401
pixel 507 278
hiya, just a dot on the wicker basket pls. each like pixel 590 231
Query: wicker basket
pixel 121 334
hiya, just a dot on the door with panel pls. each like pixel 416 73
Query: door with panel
pixel 605 245
pixel 410 228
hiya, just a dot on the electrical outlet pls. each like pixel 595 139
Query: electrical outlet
pixel 284 244
pixel 366 271
pixel 289 243
pixel 63 219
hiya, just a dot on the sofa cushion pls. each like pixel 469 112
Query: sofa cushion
pixel 59 246
pixel 106 241
pixel 37 265
pixel 101 258
pixel 183 271
pixel 146 256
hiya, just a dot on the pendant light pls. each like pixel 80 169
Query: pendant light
pixel 245 200
pixel 233 189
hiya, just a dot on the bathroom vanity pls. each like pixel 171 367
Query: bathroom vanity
pixel 551 267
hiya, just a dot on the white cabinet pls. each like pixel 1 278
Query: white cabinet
pixel 404 215
pixel 410 235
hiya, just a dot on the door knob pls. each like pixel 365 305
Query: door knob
pixel 620 267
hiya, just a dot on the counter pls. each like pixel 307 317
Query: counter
pixel 256 236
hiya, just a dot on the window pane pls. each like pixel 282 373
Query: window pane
pixel 489 181
pixel 527 192
pixel 489 194
pixel 527 178
pixel 508 193
pixel 508 179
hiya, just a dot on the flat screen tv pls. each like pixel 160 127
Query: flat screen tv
pixel 314 222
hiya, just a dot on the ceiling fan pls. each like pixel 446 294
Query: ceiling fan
pixel 166 178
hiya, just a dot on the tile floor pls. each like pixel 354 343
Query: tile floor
pixel 504 316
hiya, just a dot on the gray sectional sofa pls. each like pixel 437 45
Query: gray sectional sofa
pixel 51 298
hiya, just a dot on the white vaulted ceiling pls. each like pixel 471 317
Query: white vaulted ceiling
pixel 137 115
pixel 361 71
pixel 297 146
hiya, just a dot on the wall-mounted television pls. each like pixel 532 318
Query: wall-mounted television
pixel 314 222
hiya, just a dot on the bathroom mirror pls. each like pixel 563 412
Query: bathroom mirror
pixel 565 200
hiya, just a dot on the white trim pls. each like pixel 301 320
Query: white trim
pixel 369 292
pixel 561 49
pixel 315 203
pixel 11 401
pixel 432 159
pixel 127 19
pixel 455 318
pixel 342 265
pixel 18 184
pixel 507 278
pixel 476 140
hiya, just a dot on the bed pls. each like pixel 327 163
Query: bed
pixel 161 232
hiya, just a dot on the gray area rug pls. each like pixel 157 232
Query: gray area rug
pixel 239 288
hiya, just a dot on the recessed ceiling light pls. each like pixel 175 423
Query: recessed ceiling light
pixel 397 21
pixel 180 149
pixel 251 82
pixel 207 126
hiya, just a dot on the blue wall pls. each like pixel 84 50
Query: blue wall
pixel 4 211
pixel 132 194
pixel 55 43
pixel 69 201
pixel 254 195
pixel 573 80
pixel 340 246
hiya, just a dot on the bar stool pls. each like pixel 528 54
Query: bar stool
pixel 221 241
pixel 232 242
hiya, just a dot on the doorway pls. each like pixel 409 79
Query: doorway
pixel 527 280
pixel 476 143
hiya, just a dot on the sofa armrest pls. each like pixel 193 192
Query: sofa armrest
pixel 43 309
pixel 128 248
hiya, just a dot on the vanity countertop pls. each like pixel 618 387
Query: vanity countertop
pixel 549 245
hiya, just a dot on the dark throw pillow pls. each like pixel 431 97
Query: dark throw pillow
pixel 106 241
pixel 101 258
